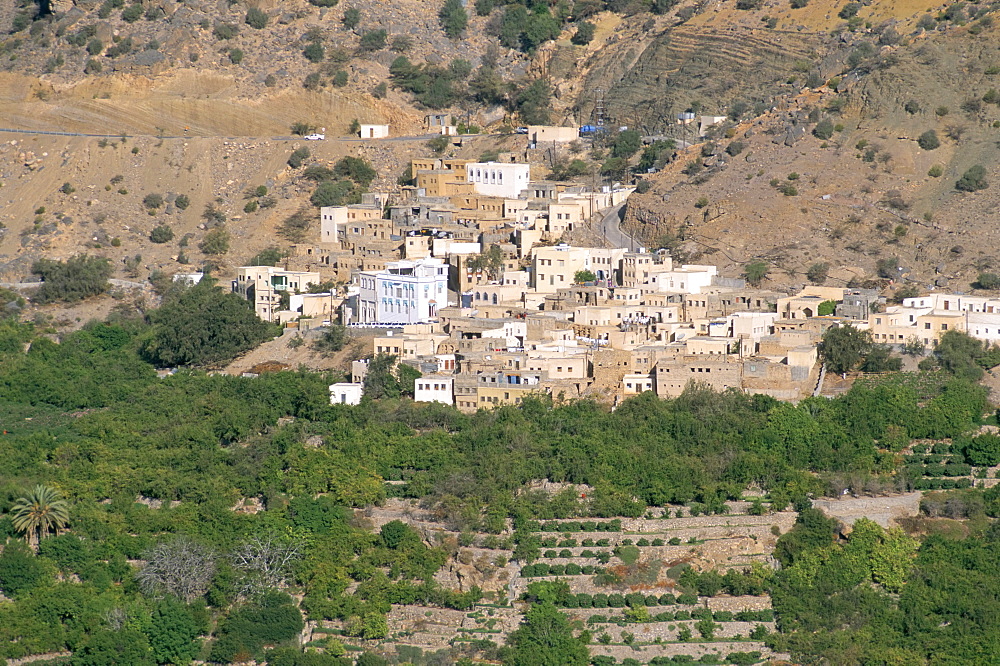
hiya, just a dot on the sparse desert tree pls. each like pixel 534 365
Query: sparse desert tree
pixel 216 242
pixel 818 273
pixel 181 567
pixel 755 272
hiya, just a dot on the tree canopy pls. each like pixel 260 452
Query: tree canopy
pixel 202 325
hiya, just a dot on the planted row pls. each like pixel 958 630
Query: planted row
pixel 634 600
pixel 737 658
pixel 532 570
pixel 941 484
pixel 577 526
pixel 665 616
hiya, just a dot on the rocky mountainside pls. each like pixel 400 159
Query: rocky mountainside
pixel 825 99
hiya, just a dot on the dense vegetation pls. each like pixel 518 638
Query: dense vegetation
pixel 151 469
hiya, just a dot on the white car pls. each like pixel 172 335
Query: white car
pixel 314 137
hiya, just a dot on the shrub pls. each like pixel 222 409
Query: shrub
pixel 849 10
pixel 818 273
pixel 256 18
pixel 928 140
pixel 296 158
pixel 216 242
pixel 798 4
pixel 988 281
pixel 152 200
pixel 584 33
pixel 351 18
pixel 236 56
pixel 823 129
pixel 225 30
pixel 314 52
pixel 182 201
pixel 373 40
pixel 454 18
pixel 161 234
pixel 77 278
pixel 132 13
pixel 935 171
pixel 973 180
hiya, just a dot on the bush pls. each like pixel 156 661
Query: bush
pixel 236 56
pixel 256 18
pixel 216 242
pixel 935 171
pixel 454 18
pixel 161 234
pixel 928 140
pixel 351 18
pixel 584 33
pixel 849 10
pixel 373 40
pixel 296 158
pixel 132 13
pixel 988 281
pixel 75 279
pixel 225 30
pixel 973 180
pixel 314 52
pixel 823 129
pixel 152 200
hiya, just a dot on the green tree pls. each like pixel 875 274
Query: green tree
pixel 20 570
pixel 755 272
pixel 381 380
pixel 544 639
pixel 72 280
pixel 957 353
pixel 626 144
pixel 202 325
pixel 584 276
pixel 584 33
pixel 491 261
pixel 126 647
pixel 334 193
pixel 826 308
pixel 453 18
pixel 172 633
pixel 534 102
pixel 355 168
pixel 844 348
pixel 40 511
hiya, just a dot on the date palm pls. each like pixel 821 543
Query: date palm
pixel 40 511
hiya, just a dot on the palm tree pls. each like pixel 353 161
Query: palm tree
pixel 38 513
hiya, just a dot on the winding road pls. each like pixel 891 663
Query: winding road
pixel 610 228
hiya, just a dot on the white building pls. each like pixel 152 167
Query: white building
pixel 374 131
pixel 263 287
pixel 498 179
pixel 406 292
pixel 346 393
pixel 434 388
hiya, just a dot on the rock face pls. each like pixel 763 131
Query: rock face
pixel 649 76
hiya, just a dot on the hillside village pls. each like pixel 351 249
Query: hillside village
pixel 466 278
